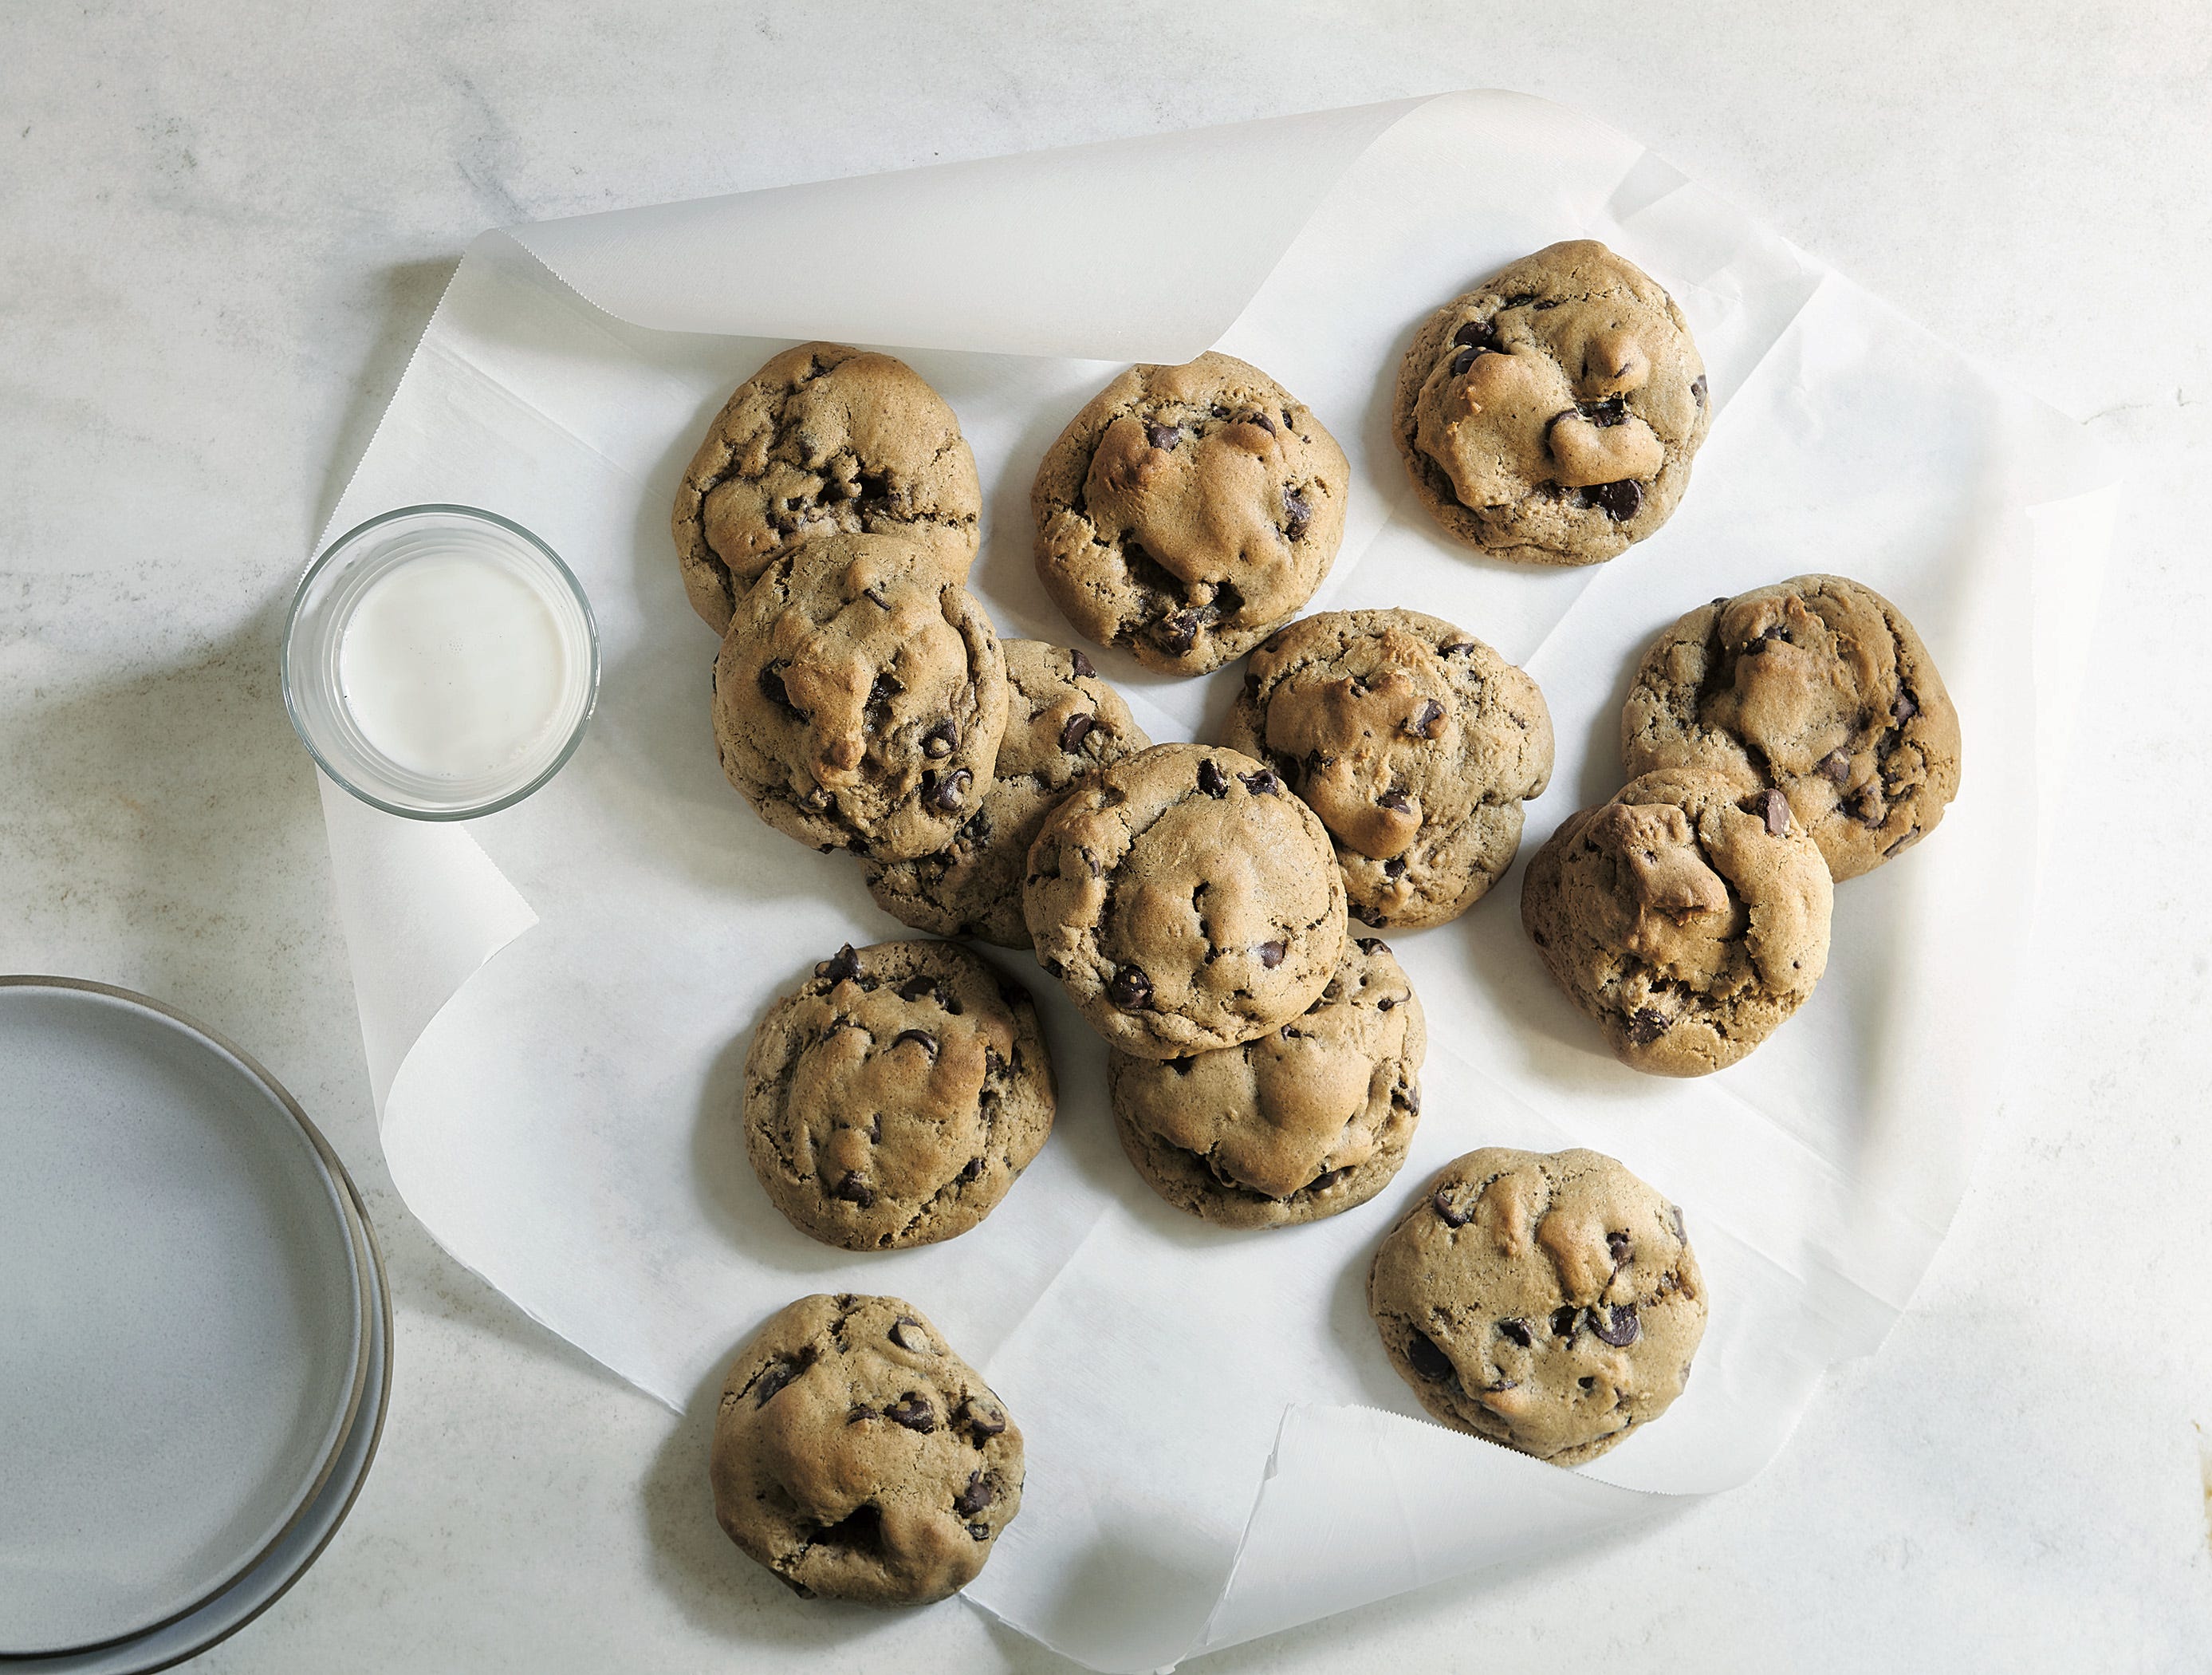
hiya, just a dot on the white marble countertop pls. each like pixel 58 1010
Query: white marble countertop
pixel 226 225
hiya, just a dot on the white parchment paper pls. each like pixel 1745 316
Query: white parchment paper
pixel 557 1001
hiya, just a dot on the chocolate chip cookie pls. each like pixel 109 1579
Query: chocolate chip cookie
pixel 1308 1120
pixel 1817 687
pixel 1545 1300
pixel 1415 742
pixel 823 438
pixel 1550 415
pixel 1688 915
pixel 1063 722
pixel 896 1096
pixel 860 698
pixel 1187 511
pixel 1187 899
pixel 858 1458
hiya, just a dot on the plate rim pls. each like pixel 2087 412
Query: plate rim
pixel 342 1188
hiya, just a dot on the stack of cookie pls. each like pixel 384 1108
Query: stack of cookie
pixel 1195 900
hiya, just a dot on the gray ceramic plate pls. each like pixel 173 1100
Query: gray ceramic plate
pixel 189 1635
pixel 184 1318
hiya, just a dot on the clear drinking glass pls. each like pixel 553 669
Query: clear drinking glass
pixel 324 608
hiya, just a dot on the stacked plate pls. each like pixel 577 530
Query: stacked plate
pixel 194 1334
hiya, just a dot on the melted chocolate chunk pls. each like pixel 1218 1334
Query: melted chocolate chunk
pixel 1082 664
pixel 1368 917
pixel 1427 720
pixel 1619 1327
pixel 1698 388
pixel 950 790
pixel 1395 801
pixel 1129 988
pixel 1565 1320
pixel 1776 811
pixel 1263 783
pixel 1327 1178
pixel 1163 437
pixel 1476 334
pixel 885 687
pixel 1517 1331
pixel 1271 954
pixel 1179 632
pixel 908 1334
pixel 920 1038
pixel 1618 501
pixel 1462 360
pixel 973 1499
pixel 1604 414
pixel 913 1412
pixel 1395 867
pixel 1372 944
pixel 941 740
pixel 1078 730
pixel 841 967
pixel 982 1424
pixel 1646 1025
pixel 1617 1246
pixel 1212 780
pixel 1297 512
pixel 1451 1216
pixel 1430 1362
pixel 772 689
pixel 778 1374
pixel 1836 766
pixel 1456 648
pixel 915 987
pixel 1904 709
pixel 854 1191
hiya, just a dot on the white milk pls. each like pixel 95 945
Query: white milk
pixel 452 664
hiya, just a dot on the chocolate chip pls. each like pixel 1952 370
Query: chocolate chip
pixel 1163 437
pixel 982 1423
pixel 1430 1362
pixel 1368 917
pixel 1327 1178
pixel 1271 954
pixel 1212 780
pixel 1395 867
pixel 1264 423
pixel 1412 1098
pixel 841 967
pixel 1477 334
pixel 1129 988
pixel 1082 664
pixel 1395 803
pixel 772 689
pixel 974 1171
pixel 1836 765
pixel 1179 632
pixel 1617 1247
pixel 979 1531
pixel 1462 360
pixel 779 1374
pixel 1620 1329
pixel 1777 810
pixel 1604 414
pixel 1426 720
pixel 1298 511
pixel 1456 648
pixel 1517 1330
pixel 1263 783
pixel 920 1038
pixel 1698 388
pixel 1618 501
pixel 1388 1004
pixel 1674 1211
pixel 912 1412
pixel 1565 1320
pixel 1451 1217
pixel 950 790
pixel 1904 709
pixel 1646 1025
pixel 883 689
pixel 973 1499
pixel 1370 945
pixel 1078 730
pixel 853 1191
pixel 915 987
pixel 906 1331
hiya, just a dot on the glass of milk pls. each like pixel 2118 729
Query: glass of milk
pixel 440 662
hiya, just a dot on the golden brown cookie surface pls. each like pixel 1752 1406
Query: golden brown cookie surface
pixel 1550 415
pixel 1415 742
pixel 1549 1301
pixel 824 439
pixel 857 1457
pixel 1187 511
